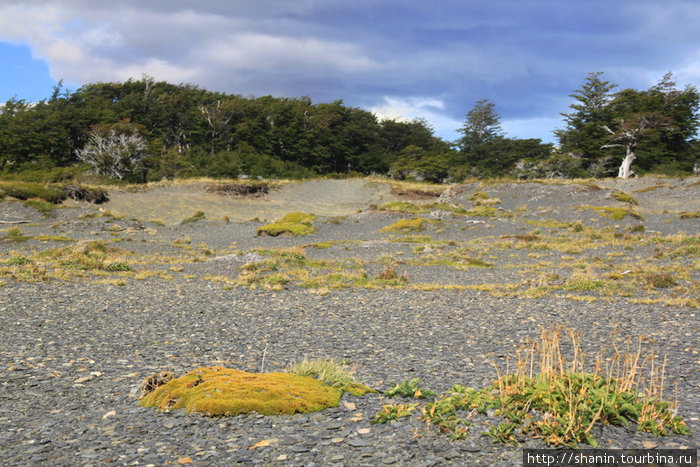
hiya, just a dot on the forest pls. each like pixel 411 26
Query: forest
pixel 147 130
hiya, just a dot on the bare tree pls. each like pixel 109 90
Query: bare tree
pixel 629 134
pixel 113 154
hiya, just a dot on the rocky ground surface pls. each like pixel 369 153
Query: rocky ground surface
pixel 78 342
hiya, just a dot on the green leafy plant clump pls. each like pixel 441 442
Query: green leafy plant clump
pixel 295 224
pixel 562 403
pixel 410 388
pixel 391 412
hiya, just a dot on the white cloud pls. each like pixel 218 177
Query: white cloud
pixel 412 108
pixel 173 45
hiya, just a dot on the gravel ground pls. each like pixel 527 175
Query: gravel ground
pixel 75 352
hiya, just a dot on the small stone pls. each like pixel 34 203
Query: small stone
pixel 184 460
pixel 337 440
pixel 111 413
pixel 649 444
pixel 357 443
pixel 282 457
pixel 363 431
pixel 350 406
pixel 83 379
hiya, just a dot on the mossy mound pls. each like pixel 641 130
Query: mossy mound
pixel 216 391
pixel 415 224
pixel 294 223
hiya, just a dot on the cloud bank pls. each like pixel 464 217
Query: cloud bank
pixel 405 59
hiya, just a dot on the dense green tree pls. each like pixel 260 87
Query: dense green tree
pixel 654 127
pixel 481 127
pixel 584 133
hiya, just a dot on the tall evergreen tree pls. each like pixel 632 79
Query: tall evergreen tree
pixel 584 133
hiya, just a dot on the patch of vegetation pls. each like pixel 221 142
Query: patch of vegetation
pixel 295 224
pixel 414 224
pixel 334 373
pixel 561 403
pixel 410 388
pixel 624 197
pixel 14 235
pixel 402 206
pixel 654 187
pixel 661 280
pixel 197 216
pixel 690 215
pixel 252 188
pixel 47 209
pixel 219 391
pixel 52 238
pixel 391 412
pixel 485 211
pixel 89 256
pixel 28 190
pixel 616 214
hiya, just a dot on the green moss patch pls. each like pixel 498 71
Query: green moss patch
pixel 294 223
pixel 216 391
pixel 624 197
pixel 402 206
pixel 415 224
pixel 616 214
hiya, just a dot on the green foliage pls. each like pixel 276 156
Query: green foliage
pixel 560 404
pixel 410 388
pixel 28 190
pixel 391 412
pixel 616 214
pixel 624 197
pixel 15 235
pixel 660 123
pixel 42 206
pixel 295 224
pixel 333 373
pixel 151 130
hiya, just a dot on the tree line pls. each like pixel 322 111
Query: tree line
pixel 146 130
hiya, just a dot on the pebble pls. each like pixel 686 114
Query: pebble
pixel 74 355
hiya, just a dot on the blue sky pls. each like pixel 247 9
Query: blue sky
pixel 397 58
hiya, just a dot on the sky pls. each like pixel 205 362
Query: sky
pixel 402 59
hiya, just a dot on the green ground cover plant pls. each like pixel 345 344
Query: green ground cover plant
pixel 616 214
pixel 557 398
pixel 294 224
pixel 414 224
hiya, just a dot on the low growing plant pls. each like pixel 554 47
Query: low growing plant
pixel 410 388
